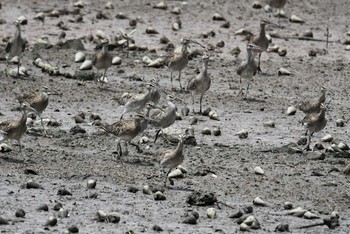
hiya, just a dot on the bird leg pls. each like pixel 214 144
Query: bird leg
pixel 246 92
pixel 200 104
pixel 166 177
pixel 18 66
pixel 42 125
pixel 119 149
pixel 307 148
pixel 180 80
pixel 171 78
pixel 157 133
pixel 259 69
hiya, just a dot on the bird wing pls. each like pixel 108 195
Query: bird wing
pixel 27 97
pixel 192 84
pixel 310 118
pixel 241 68
pixel 6 125
pixel 165 156
pixel 94 58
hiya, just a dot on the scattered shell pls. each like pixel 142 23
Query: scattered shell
pixel 298 212
pixel 308 33
pixel 259 171
pixel 146 189
pixel 79 57
pixel 235 51
pixel 340 123
pixel 87 65
pixel 113 217
pixel 211 213
pixel 243 227
pixel 185 111
pixel 248 209
pixel 73 229
pixel 161 6
pixel 249 220
pixel 43 207
pixel 62 213
pixel 256 225
pixel 151 30
pixel 117 60
pixel 91 184
pixel 193 120
pixel 177 173
pixel 242 134
pixel 284 72
pixel 318 146
pixel 206 111
pixel 327 138
pixel 33 185
pixel 236 214
pixel 275 34
pixel 79 4
pixel 270 124
pixel 218 17
pixel 23 20
pixel 259 202
pixel 315 155
pixel 288 205
pixel 159 196
pixel 40 16
pixel 3 221
pixel 309 215
pixel 220 44
pixel 20 213
pixel 343 146
pixel 274 49
pixel 267 8
pixel 282 228
pixel 109 5
pixel 101 35
pixel 57 206
pixel 144 140
pixel 146 60
pixel 291 110
pixel 213 115
pixel 121 15
pixel 54 13
pixel 52 221
pixel 101 216
pixel 257 5
pixel 176 10
pixel 282 52
pixel 184 170
pixel 296 19
pixel 64 192
pixel 5 148
pixel 347 48
pixel 335 214
pixel 206 131
pixel 133 189
pixel 159 62
pixel 217 131
pixel 242 31
pixel 164 40
pixel 225 25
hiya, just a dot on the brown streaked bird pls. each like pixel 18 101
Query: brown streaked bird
pixel 247 69
pixel 126 130
pixel 315 122
pixel 155 92
pixel 138 102
pixel 172 158
pixel 201 83
pixel 102 60
pixel 278 4
pixel 261 39
pixel 166 118
pixel 313 105
pixel 14 129
pixel 37 100
pixel 16 46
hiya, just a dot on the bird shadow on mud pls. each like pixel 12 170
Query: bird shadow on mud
pixel 12 160
pixel 251 99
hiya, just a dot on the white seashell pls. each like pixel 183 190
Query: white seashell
pixel 100 34
pixel 62 213
pixel 144 140
pixel 259 171
pixel 327 138
pixel 109 5
pixel 218 17
pixel 283 52
pixel 22 19
pixel 211 213
pixel 79 4
pixel 347 48
pixel 23 71
pixel 156 63
pixel 309 215
pixel 175 26
pixel 267 8
pixel 343 146
pixel 241 31
pixel 249 220
pixel 283 72
pixel 274 49
pixel 117 60
pixel 79 57
pixel 161 6
pixel 243 227
pixel 103 79
pixel 335 214
pixel 213 115
pixel 177 173
pixel 296 19
pixel 87 65
pixel 291 110
pixel 299 212
pixel 5 147
pixel 146 60
pixel 270 124
pixel 176 10
pixel 242 134
pixel 15 60
pixel 259 202
pixel 101 215
pixel 40 16
pixel 184 170
pixel 91 184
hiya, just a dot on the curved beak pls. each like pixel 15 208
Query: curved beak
pixel 258 49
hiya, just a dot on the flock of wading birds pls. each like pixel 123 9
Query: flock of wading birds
pixel 127 129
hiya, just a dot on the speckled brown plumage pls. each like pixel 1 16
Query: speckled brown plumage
pixel 313 105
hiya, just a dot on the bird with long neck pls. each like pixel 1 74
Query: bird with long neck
pixel 15 129
pixel 102 60
pixel 172 158
pixel 201 83
pixel 16 46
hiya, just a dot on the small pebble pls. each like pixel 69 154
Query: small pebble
pixel 248 209
pixel 52 221
pixel 288 205
pixel 220 44
pixel 206 131
pixel 327 138
pixel 62 213
pixel 259 202
pixel 157 228
pixel 91 184
pixel 176 10
pixel 259 171
pixel 43 207
pixel 193 120
pixel 147 190
pixel 257 5
pixel 343 146
pixel 190 219
pixel 211 213
pixel 73 229
pixel 243 134
pixel 310 215
pixel 291 110
pixel 185 111
pixel 236 214
pixel 101 216
pixel 340 123
pixel 117 60
pixel 177 173
pixel 20 213
pixel 270 124
pixel 3 221
pixel 57 206
pixel 159 196
pixel 216 131
pixel 64 192
pixel 282 228
pixel 113 217
pixel 133 189
pixel 213 115
pixel 218 17
pixel 161 6
pixel 151 30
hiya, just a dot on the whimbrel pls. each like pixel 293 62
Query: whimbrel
pixel 138 102
pixel 313 105
pixel 278 4
pixel 172 158
pixel 126 130
pixel 37 100
pixel 247 69
pixel 261 39
pixel 166 118
pixel 14 129
pixel 315 122
pixel 16 46
pixel 201 83
pixel 126 39
pixel 102 60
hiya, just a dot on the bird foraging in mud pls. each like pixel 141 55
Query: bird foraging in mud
pixel 201 83
pixel 15 129
pixel 247 69
pixel 172 158
pixel 102 60
pixel 315 122
pixel 314 105
pixel 16 46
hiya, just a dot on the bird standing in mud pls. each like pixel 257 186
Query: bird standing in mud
pixel 172 158
pixel 15 129
pixel 201 83
pixel 315 122
pixel 247 69
pixel 102 60
pixel 16 46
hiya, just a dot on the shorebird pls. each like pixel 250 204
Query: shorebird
pixel 126 39
pixel 138 102
pixel 166 118
pixel 37 100
pixel 102 60
pixel 247 69
pixel 178 60
pixel 16 46
pixel 313 105
pixel 155 92
pixel 201 83
pixel 261 39
pixel 14 129
pixel 172 158
pixel 126 130
pixel 278 4
pixel 315 122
